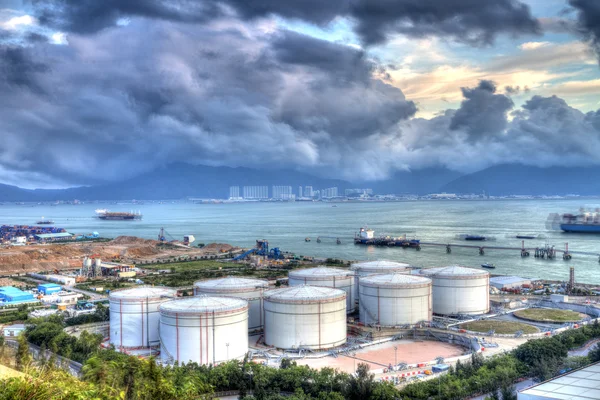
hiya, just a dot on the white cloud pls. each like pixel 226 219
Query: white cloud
pixel 533 45
pixel 59 38
pixel 15 23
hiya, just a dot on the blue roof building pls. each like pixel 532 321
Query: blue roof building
pixel 49 288
pixel 10 294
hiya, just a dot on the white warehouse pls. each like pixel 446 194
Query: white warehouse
pixel 305 317
pixel 459 290
pixel 203 329
pixel 134 315
pixel 327 277
pixel 248 289
pixel 395 299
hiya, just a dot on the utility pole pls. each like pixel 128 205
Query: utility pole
pixel 395 355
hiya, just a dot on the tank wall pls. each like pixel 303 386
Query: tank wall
pixel 134 323
pixel 345 283
pixel 314 326
pixel 203 338
pixel 253 297
pixel 395 306
pixel 461 296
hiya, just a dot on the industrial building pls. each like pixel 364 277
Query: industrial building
pixel 203 329
pixel 327 277
pixel 248 289
pixel 134 315
pixel 305 317
pixel 49 288
pixel 53 237
pixel 509 282
pixel 10 294
pixel 13 330
pixel 582 384
pixel 395 299
pixel 62 279
pixel 459 290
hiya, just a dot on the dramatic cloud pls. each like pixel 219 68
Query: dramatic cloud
pixel 472 21
pixel 129 99
pixel 482 112
pixel 589 21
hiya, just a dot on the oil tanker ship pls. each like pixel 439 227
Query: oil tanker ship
pixel 584 222
pixel 118 216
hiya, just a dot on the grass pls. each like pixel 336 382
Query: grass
pixel 548 315
pixel 501 327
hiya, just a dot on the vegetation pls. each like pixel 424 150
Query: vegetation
pixel 501 327
pixel 100 315
pixel 15 314
pixel 548 315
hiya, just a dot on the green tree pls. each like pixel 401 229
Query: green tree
pixel 594 354
pixel 508 393
pixel 23 357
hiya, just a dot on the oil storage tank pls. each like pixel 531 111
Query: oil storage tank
pixel 204 329
pixel 304 316
pixel 134 315
pixel 395 299
pixel 365 268
pixel 327 277
pixel 459 290
pixel 248 289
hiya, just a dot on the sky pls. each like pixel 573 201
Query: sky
pixel 96 91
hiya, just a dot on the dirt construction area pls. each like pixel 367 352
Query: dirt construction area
pixel 128 249
pixel 381 355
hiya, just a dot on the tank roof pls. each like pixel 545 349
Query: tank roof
pixel 203 304
pixel 320 271
pixel 231 282
pixel 142 293
pixel 304 293
pixel 395 280
pixel 381 264
pixel 454 270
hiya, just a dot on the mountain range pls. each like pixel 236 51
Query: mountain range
pixel 180 180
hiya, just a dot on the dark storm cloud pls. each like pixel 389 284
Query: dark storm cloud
pixel 482 112
pixel 514 90
pixel 472 21
pixel 588 15
pixel 17 68
pixel 126 100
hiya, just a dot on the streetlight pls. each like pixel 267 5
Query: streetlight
pixel 227 345
pixel 395 355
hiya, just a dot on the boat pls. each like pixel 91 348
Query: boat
pixel 488 265
pixel 584 222
pixel 117 216
pixel 519 236
pixel 307 239
pixel 45 221
pixel 367 237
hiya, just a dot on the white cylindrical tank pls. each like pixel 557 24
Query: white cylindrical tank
pixel 327 277
pixel 204 329
pixel 459 290
pixel 395 299
pixel 365 268
pixel 134 315
pixel 305 317
pixel 248 289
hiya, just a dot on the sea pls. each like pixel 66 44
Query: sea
pixel 287 224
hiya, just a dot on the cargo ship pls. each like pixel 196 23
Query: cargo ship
pixel 584 222
pixel 367 236
pixel 117 216
pixel 44 221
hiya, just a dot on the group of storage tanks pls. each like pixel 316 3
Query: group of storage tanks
pixel 212 326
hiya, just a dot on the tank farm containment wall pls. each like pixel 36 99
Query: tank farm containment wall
pixel 327 277
pixel 459 290
pixel 395 299
pixel 134 316
pixel 248 289
pixel 305 317
pixel 205 330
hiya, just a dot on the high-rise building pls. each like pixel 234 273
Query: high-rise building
pixel 256 192
pixel 308 191
pixel 282 192
pixel 362 192
pixel 234 192
pixel 329 193
pixel 299 191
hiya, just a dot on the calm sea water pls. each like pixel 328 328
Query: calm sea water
pixel 286 225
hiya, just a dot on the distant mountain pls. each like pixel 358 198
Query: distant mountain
pixel 422 181
pixel 13 193
pixel 516 179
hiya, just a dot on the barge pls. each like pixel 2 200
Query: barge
pixel 367 237
pixel 117 216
